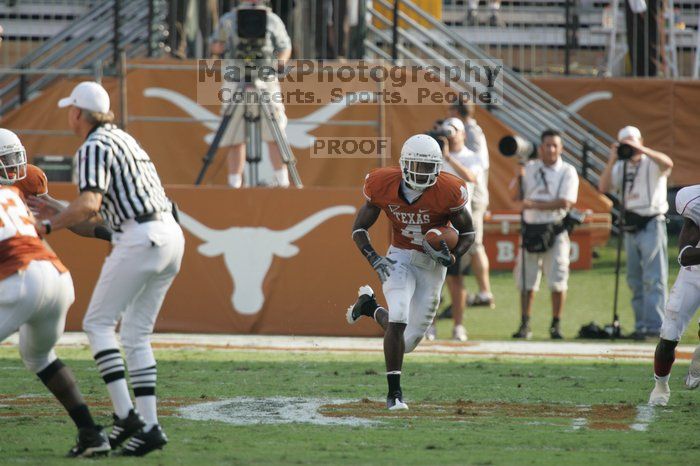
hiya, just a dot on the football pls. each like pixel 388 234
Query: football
pixel 447 234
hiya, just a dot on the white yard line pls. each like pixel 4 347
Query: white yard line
pixel 569 349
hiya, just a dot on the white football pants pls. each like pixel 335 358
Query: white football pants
pixel 133 283
pixel 412 292
pixel 35 301
pixel 682 303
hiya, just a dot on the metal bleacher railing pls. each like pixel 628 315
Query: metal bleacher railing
pixel 89 44
pixel 577 37
pixel 526 108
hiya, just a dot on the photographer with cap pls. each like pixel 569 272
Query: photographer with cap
pixel 476 142
pixel 465 164
pixel 645 204
pixel 549 190
pixel 226 43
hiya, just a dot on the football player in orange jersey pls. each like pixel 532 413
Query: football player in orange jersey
pixel 34 186
pixel 36 291
pixel 415 197
pixel 14 169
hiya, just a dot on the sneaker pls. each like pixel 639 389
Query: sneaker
pixel 459 333
pixel 394 402
pixel 364 295
pixel 145 442
pixel 125 428
pixel 431 333
pixel 523 332
pixel 555 334
pixel 660 394
pixel 480 300
pixel 92 441
pixel 692 380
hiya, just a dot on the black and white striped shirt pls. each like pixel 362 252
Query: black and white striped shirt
pixel 111 162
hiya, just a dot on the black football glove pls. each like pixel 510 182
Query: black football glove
pixel 382 265
pixel 443 256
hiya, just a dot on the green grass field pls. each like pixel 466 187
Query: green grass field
pixel 495 411
pixel 464 410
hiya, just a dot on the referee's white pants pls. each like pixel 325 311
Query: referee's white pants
pixel 35 301
pixel 132 286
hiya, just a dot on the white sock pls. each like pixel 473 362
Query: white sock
pixel 234 180
pixel 146 406
pixel 484 295
pixel 119 393
pixel 282 177
pixel 663 380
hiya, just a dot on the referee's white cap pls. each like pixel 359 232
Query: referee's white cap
pixel 629 132
pixel 87 95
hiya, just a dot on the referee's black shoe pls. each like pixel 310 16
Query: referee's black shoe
pixel 145 442
pixel 125 428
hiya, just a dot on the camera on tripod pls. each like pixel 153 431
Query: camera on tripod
pixel 625 152
pixel 516 146
pixel 251 27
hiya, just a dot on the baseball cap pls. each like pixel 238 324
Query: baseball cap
pixel 87 95
pixel 456 123
pixel 629 132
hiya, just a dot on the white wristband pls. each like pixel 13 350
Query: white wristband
pixel 359 230
pixel 680 254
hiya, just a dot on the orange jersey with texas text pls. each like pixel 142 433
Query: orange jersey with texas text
pixel 410 221
pixel 34 184
pixel 19 242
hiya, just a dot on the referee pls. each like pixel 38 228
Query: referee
pixel 119 186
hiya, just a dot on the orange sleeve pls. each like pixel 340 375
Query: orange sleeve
pixel 370 188
pixel 458 194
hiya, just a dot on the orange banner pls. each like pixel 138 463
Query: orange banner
pixel 664 110
pixel 267 261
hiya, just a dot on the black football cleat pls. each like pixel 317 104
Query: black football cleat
pixel 145 442
pixel 364 306
pixel 125 428
pixel 92 441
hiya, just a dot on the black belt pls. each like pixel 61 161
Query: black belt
pixel 154 217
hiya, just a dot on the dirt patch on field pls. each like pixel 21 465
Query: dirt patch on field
pixel 47 406
pixel 605 417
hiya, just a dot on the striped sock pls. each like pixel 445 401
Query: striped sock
pixel 144 383
pixel 111 367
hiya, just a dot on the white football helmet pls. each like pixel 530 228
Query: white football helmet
pixel 421 160
pixel 13 158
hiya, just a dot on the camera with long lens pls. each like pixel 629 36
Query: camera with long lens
pixel 516 146
pixel 625 151
pixel 251 26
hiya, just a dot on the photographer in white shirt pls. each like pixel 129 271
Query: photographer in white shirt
pixel 646 239
pixel 550 189
pixel 465 164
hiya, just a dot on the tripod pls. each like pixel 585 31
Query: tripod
pixel 255 104
pixel 616 331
